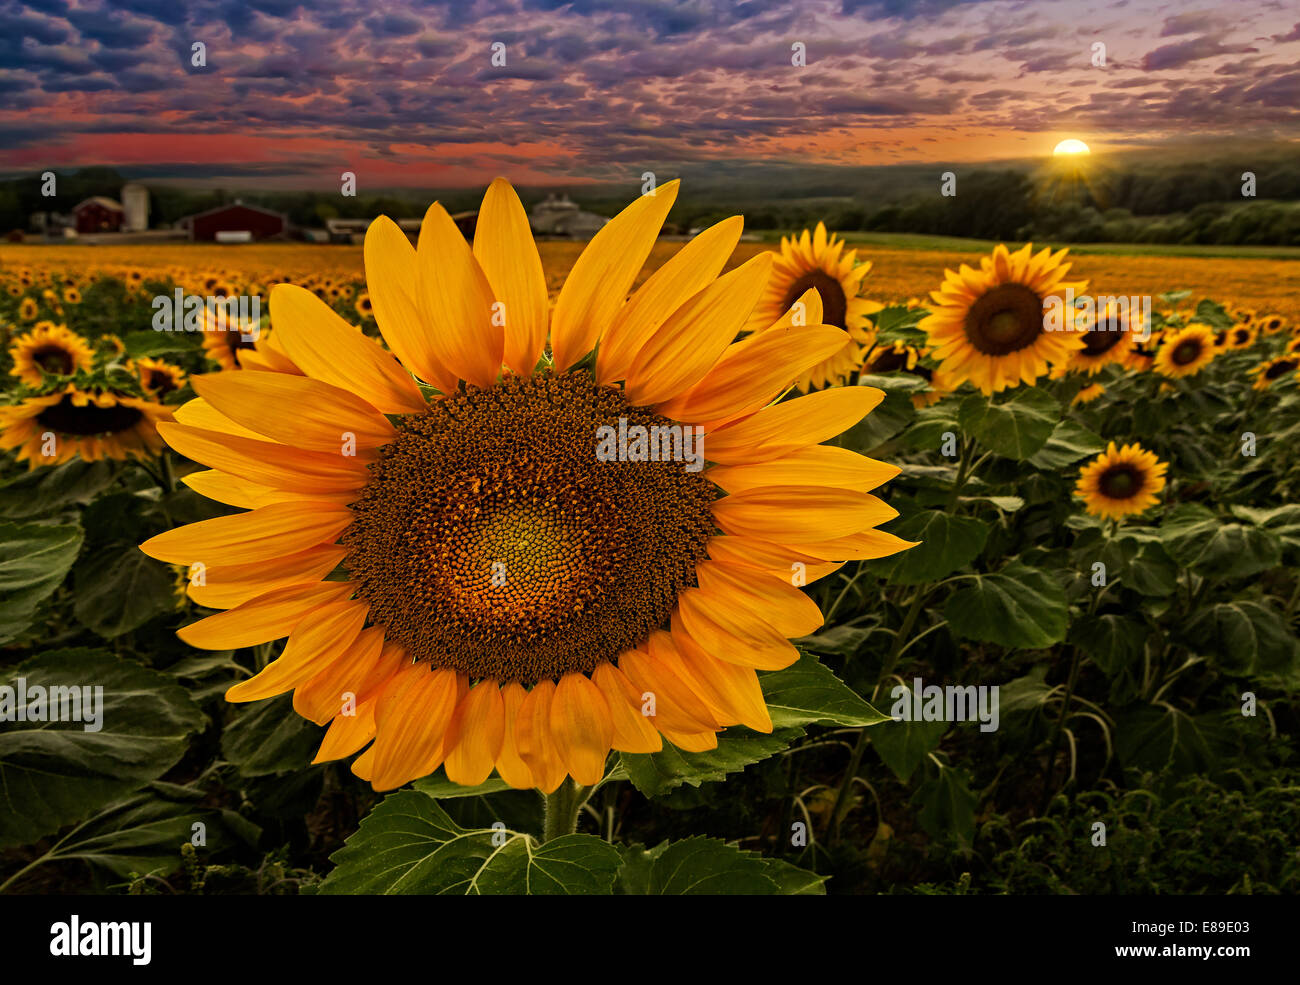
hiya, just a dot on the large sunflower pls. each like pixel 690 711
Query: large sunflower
pixel 86 424
pixel 503 595
pixel 817 261
pixel 49 350
pixel 988 326
pixel 1121 482
pixel 1186 351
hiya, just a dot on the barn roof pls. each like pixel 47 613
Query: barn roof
pixel 101 201
pixel 237 205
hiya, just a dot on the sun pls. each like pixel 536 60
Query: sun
pixel 1070 148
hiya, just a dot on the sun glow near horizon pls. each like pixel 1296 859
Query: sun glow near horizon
pixel 1071 148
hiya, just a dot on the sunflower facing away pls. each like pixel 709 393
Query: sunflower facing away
pixel 49 350
pixel 88 424
pixel 1185 352
pixel 1121 482
pixel 500 597
pixel 817 261
pixel 988 325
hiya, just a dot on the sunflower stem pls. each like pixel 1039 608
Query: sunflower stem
pixel 560 815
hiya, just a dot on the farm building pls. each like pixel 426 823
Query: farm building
pixel 98 215
pixel 560 216
pixel 235 223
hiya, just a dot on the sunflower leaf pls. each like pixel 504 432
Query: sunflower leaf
pixel 1018 606
pixel 1068 442
pixel 54 773
pixel 1243 637
pixel 1199 539
pixel 409 846
pixel 34 560
pixel 659 772
pixel 706 866
pixel 1016 428
pixel 947 542
pixel 807 693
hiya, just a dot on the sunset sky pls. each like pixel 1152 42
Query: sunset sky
pixel 405 94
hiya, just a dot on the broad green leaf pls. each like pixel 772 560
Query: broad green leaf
pixel 47 490
pixel 119 588
pixel 34 560
pixel 1025 694
pixel 1159 738
pixel 904 745
pixel 708 867
pixel 931 424
pixel 1018 606
pixel 1068 442
pixel 658 772
pixel 439 787
pixel 156 343
pixel 270 737
pixel 947 543
pixel 1113 641
pixel 1151 572
pixel 807 693
pixel 947 806
pixel 1016 428
pixel 54 773
pixel 1243 637
pixel 409 846
pixel 1195 537
pixel 890 416
pixel 843 640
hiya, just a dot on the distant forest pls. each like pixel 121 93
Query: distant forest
pixel 1182 201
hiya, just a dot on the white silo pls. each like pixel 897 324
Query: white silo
pixel 135 202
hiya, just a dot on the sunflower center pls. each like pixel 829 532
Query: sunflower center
pixel 1280 368
pixel 160 382
pixel 53 359
pixel 1120 482
pixel 888 361
pixel 1185 352
pixel 835 305
pixel 490 538
pixel 65 417
pixel 1100 341
pixel 1006 319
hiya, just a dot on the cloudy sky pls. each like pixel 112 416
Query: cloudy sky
pixel 406 94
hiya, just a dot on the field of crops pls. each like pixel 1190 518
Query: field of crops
pixel 1105 547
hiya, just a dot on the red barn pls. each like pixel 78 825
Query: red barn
pixel 235 222
pixel 98 215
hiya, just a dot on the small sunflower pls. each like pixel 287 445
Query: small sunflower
pixel 1272 370
pixel 113 343
pixel 14 290
pixel 1185 352
pixel 159 378
pixel 71 295
pixel 1121 482
pixel 989 325
pixel 49 350
pixel 1293 345
pixel 1272 324
pixel 88 424
pixel 364 308
pixel 892 357
pixel 27 309
pixel 1108 340
pixel 1088 394
pixel 1243 316
pixel 1240 336
pixel 817 261
pixel 512 599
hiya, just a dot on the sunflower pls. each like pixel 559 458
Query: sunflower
pixel 159 378
pixel 989 324
pixel 363 306
pixel 14 290
pixel 49 350
pixel 511 597
pixel 1271 370
pixel 1088 394
pixel 1293 345
pixel 1185 352
pixel 1121 482
pixel 896 356
pixel 113 343
pixel 1272 324
pixel 1243 316
pixel 1240 337
pixel 71 295
pixel 1108 340
pixel 86 424
pixel 27 309
pixel 817 261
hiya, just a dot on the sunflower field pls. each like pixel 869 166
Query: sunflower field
pixel 929 598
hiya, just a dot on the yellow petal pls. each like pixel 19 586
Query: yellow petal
pixel 799 513
pixel 786 427
pixel 476 730
pixel 675 703
pixel 265 618
pixel 736 639
pixel 510 766
pixel 348 733
pixel 267 463
pixel 597 286
pixel 533 738
pixel 266 532
pixel 410 724
pixel 633 731
pixel 314 643
pixel 226 585
pixel 582 728
pixel 817 465
pixel 776 602
pixel 504 248
pixel 334 687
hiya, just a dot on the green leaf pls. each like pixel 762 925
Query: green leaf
pixel 1151 572
pixel 1017 607
pixel 708 867
pixel 156 343
pixel 947 806
pixel 439 787
pixel 931 424
pixel 1214 314
pixel 1112 641
pixel 808 693
pixel 658 772
pixel 904 745
pixel 1243 637
pixel 947 543
pixel 1197 538
pixel 890 416
pixel 54 773
pixel 119 588
pixel 1159 738
pixel 1015 428
pixel 1025 694
pixel 34 560
pixel 1068 442
pixel 47 490
pixel 409 846
pixel 270 737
